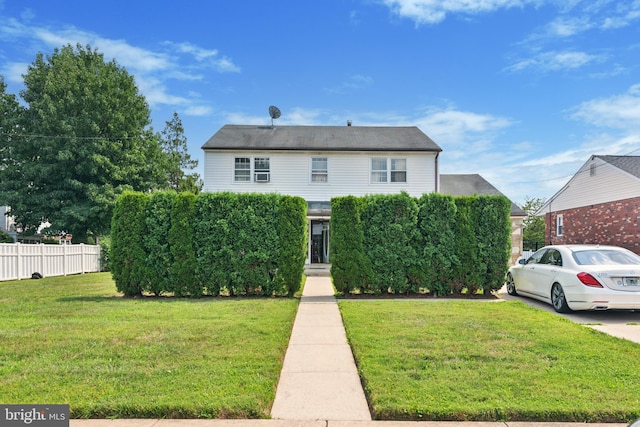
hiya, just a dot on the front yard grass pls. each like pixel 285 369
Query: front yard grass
pixel 486 361
pixel 73 340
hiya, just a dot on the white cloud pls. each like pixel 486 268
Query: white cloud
pixel 355 82
pixel 151 67
pixel 13 72
pixel 619 111
pixel 198 110
pixel 555 61
pixel 435 11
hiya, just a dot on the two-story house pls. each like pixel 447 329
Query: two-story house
pixel 600 204
pixel 318 163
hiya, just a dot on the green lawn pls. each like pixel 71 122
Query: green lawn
pixel 469 360
pixel 74 340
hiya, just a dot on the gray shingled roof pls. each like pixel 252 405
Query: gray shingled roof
pixel 629 164
pixel 321 138
pixel 469 185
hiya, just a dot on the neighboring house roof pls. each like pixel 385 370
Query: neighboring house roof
pixel 320 138
pixel 627 164
pixel 472 184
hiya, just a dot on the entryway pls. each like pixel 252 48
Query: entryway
pixel 319 241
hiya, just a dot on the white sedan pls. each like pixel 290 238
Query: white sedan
pixel 579 277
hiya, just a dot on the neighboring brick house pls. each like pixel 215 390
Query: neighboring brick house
pixel 600 205
pixel 474 184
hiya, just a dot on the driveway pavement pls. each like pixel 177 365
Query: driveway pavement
pixel 621 324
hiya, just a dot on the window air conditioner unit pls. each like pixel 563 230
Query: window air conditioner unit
pixel 262 176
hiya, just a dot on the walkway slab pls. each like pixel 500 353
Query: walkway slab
pixel 319 378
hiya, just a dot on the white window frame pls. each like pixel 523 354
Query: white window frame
pixel 389 174
pixel 243 169
pixel 559 225
pixel 316 174
pixel 393 162
pixel 260 174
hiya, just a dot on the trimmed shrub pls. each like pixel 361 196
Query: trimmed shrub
pixel 494 240
pixel 5 238
pixel 128 257
pixel 292 237
pixel 182 275
pixel 156 241
pixel 437 242
pixel 466 272
pixel 105 253
pixel 212 258
pixel 350 267
pixel 253 243
pixel 389 241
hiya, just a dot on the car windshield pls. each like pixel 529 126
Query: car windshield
pixel 605 257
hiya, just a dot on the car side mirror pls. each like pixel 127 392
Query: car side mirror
pixel 522 261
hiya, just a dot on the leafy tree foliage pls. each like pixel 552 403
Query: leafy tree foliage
pixel 85 140
pixel 10 112
pixel 5 238
pixel 174 145
pixel 533 230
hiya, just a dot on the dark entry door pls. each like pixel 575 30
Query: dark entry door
pixel 319 242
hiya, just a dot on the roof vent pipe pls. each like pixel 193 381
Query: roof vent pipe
pixel 348 122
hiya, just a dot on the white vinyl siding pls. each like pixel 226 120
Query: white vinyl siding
pixel 349 173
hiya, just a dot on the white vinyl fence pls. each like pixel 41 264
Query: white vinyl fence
pixel 20 261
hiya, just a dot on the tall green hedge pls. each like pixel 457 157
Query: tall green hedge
pixel 292 237
pixel 350 267
pixel 156 241
pixel 182 277
pixel 437 242
pixel 128 256
pixel 389 232
pixel 222 243
pixel 395 243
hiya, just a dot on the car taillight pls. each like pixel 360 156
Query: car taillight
pixel 589 280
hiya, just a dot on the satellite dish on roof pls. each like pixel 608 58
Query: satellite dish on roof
pixel 274 112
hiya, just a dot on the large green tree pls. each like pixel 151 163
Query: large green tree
pixel 533 226
pixel 10 113
pixel 86 139
pixel 174 145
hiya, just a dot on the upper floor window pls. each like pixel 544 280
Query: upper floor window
pixel 398 170
pixel 319 169
pixel 261 170
pixel 385 169
pixel 242 170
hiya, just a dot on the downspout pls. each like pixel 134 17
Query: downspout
pixel 437 180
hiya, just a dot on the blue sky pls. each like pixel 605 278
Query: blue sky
pixel 519 91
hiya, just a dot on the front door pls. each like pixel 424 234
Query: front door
pixel 319 242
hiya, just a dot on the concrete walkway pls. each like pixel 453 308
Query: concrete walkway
pixel 319 379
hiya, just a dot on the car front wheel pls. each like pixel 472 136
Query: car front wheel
pixel 558 299
pixel 511 285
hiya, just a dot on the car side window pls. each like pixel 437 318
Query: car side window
pixel 552 257
pixel 537 257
